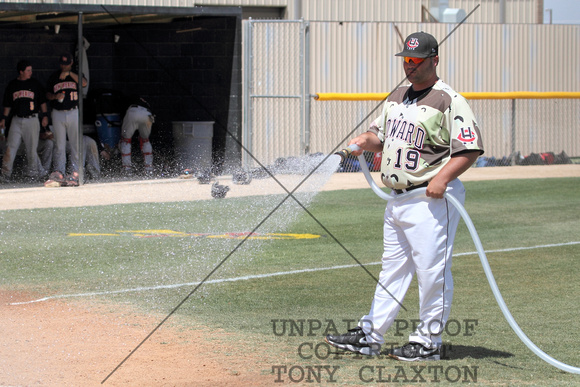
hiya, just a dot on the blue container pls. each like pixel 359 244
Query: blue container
pixel 109 129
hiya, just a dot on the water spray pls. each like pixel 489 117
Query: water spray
pixel 486 268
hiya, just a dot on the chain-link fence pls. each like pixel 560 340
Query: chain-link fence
pixel 275 94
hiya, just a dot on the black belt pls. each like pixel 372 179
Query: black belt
pixel 67 110
pixel 30 116
pixel 402 191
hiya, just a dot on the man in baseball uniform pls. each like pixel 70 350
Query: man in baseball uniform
pixel 429 137
pixel 137 118
pixel 24 99
pixel 63 94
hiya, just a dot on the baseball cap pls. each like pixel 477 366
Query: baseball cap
pixel 65 59
pixel 420 45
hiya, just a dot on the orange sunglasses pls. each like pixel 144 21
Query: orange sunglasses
pixel 408 59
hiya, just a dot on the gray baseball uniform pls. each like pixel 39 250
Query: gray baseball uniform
pixel 23 99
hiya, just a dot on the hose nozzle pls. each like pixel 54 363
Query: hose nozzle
pixel 344 153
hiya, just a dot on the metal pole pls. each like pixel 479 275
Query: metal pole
pixel 80 141
pixel 247 100
pixel 306 90
pixel 514 131
pixel 302 88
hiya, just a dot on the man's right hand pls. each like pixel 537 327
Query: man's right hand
pixel 367 141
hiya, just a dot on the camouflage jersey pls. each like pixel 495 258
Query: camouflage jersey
pixel 419 136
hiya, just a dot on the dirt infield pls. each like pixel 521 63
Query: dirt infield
pixel 56 343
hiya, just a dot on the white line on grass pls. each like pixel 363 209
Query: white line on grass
pixel 257 276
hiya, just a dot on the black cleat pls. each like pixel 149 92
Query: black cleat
pixel 355 340
pixel 415 352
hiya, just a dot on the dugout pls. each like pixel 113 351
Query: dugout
pixel 184 60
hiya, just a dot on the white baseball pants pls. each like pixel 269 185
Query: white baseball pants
pixel 418 239
pixel 137 118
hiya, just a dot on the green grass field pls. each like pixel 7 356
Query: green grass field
pixel 154 255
